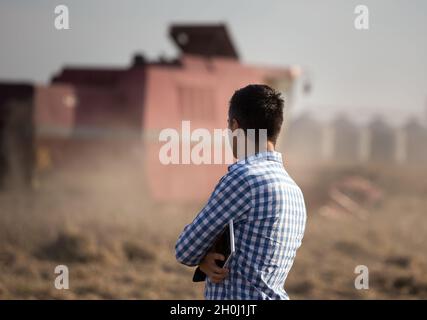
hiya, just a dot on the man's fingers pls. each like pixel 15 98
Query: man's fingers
pixel 212 274
pixel 217 256
pixel 217 278
pixel 215 268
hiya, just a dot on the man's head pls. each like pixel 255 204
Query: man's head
pixel 257 107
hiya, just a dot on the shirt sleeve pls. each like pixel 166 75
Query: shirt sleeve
pixel 230 199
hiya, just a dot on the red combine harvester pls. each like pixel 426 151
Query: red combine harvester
pixel 139 101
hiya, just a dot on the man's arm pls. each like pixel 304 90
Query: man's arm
pixel 230 199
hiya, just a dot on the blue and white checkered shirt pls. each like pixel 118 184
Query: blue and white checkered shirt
pixel 269 215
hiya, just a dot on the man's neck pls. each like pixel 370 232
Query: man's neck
pixel 270 146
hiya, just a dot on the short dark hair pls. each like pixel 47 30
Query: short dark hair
pixel 258 106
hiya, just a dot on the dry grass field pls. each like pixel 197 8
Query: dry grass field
pixel 93 215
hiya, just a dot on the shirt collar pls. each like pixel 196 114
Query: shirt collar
pixel 265 155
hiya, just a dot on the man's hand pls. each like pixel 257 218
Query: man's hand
pixel 209 267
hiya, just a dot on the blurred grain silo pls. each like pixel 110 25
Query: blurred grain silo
pixel 304 139
pixel 416 142
pixel 16 133
pixel 382 141
pixel 346 140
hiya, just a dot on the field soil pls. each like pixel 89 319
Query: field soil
pixel 95 216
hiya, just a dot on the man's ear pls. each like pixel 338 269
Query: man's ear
pixel 234 124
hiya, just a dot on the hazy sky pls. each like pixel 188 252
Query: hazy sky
pixel 382 70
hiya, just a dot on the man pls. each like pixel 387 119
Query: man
pixel 266 205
